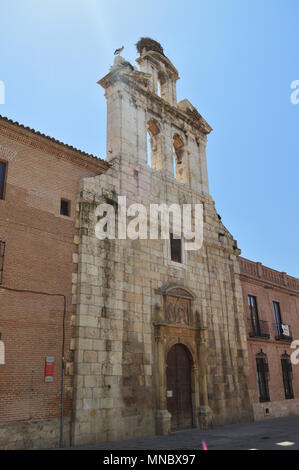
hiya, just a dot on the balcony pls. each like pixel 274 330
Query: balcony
pixel 258 328
pixel 282 332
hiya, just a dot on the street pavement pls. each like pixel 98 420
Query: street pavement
pixel 270 434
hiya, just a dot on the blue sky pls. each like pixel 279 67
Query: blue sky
pixel 236 58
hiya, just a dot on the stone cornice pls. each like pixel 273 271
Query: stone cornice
pixel 139 82
pixel 30 137
pixel 225 249
pixel 160 323
pixel 156 58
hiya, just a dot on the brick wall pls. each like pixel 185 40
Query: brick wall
pixel 38 256
pixel 268 285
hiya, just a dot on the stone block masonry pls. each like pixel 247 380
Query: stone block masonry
pixel 125 288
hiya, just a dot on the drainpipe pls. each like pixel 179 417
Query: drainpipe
pixel 62 374
pixel 25 291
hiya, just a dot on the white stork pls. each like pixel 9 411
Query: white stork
pixel 119 51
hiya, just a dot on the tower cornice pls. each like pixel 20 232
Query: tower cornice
pixel 139 81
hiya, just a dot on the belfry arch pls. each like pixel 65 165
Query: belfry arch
pixel 180 159
pixel 155 145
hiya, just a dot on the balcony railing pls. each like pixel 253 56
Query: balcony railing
pixel 258 271
pixel 282 332
pixel 258 328
pixel 261 329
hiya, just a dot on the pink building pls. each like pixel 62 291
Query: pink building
pixel 271 309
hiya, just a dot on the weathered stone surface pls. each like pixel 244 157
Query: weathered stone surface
pixel 124 332
pixel 33 434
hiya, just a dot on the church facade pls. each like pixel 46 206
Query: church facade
pixel 160 340
pixel 110 337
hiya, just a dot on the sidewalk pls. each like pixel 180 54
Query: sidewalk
pixel 258 435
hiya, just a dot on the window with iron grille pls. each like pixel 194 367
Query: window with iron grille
pixel 262 377
pixel 3 166
pixel 287 374
pixel 2 251
pixel 175 249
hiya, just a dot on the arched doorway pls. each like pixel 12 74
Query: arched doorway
pixel 179 393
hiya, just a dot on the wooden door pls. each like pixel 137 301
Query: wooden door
pixel 179 397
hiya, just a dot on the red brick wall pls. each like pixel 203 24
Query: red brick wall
pixel 38 256
pixel 289 304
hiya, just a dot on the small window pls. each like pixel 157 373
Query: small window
pixel 175 249
pixel 2 179
pixel 65 207
pixel 287 374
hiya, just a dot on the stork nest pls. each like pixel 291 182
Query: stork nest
pixel 149 45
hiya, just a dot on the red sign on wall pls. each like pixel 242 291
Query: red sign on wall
pixel 49 369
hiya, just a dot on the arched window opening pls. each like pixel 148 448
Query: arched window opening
pixel 173 166
pixel 148 145
pixel 159 88
pixel 179 159
pixel 154 151
pixel 162 85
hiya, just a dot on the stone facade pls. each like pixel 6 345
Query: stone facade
pixel 267 286
pixel 127 291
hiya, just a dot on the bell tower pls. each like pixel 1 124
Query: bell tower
pixel 142 108
pixel 163 73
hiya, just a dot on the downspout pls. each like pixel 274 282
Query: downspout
pixel 62 374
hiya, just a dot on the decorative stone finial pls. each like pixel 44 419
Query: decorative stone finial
pixel 119 60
